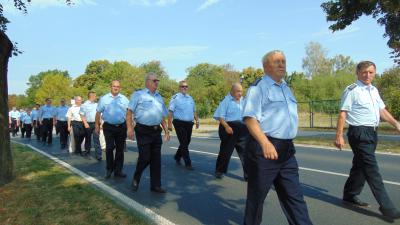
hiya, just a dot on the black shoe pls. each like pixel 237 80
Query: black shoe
pixel 108 174
pixel 219 175
pixel 177 161
pixel 120 175
pixel 390 213
pixel 158 190
pixel 189 167
pixel 245 177
pixel 355 201
pixel 99 159
pixel 134 185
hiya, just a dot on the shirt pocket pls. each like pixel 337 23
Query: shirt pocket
pixel 146 104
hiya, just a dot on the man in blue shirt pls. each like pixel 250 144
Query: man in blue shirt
pixel 35 118
pixel 62 123
pixel 13 120
pixel 183 111
pixel 47 119
pixel 362 108
pixel 26 122
pixel 88 115
pixel 112 110
pixel 232 131
pixel 270 113
pixel 21 118
pixel 148 109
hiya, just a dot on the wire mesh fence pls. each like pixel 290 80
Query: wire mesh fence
pixel 318 113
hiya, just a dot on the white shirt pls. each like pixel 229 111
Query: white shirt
pixel 73 113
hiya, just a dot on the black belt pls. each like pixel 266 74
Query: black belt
pixel 364 127
pixel 183 121
pixel 114 125
pixel 235 123
pixel 76 121
pixel 279 139
pixel 155 127
pixel 46 118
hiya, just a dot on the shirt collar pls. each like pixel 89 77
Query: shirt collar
pixel 112 96
pixel 364 86
pixel 271 82
pixel 149 92
pixel 232 98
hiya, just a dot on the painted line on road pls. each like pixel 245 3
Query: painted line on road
pixel 302 168
pixel 322 147
pixel 125 200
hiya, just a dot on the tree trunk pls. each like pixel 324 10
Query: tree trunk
pixel 6 161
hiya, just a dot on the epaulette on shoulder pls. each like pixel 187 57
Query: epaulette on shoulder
pixel 351 87
pixel 256 82
pixel 174 96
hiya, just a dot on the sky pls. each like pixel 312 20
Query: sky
pixel 179 33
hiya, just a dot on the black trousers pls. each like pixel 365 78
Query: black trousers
pixel 149 143
pixel 282 173
pixel 14 127
pixel 115 136
pixel 47 130
pixel 28 129
pixel 79 135
pixel 63 129
pixel 36 129
pixel 237 141
pixel 184 133
pixel 88 136
pixel 363 141
pixel 23 130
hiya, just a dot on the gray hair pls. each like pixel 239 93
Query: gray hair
pixel 149 75
pixel 266 56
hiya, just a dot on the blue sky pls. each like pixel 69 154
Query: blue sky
pixel 179 33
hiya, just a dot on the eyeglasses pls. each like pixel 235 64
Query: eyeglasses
pixel 184 86
pixel 155 80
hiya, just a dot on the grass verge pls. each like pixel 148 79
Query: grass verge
pixel 383 145
pixel 45 193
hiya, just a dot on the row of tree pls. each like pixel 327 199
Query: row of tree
pixel 323 78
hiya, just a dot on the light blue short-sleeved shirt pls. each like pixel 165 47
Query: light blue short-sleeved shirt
pixel 47 112
pixel 229 110
pixel 362 103
pixel 88 110
pixel 113 108
pixel 34 114
pixel 61 113
pixel 274 106
pixel 182 107
pixel 27 119
pixel 14 114
pixel 148 109
pixel 22 115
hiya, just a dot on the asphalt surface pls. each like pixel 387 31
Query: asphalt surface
pixel 196 197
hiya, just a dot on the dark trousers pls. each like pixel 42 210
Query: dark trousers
pixel 28 129
pixel 363 141
pixel 115 136
pixel 14 127
pixel 149 143
pixel 23 130
pixel 237 141
pixel 79 135
pixel 36 129
pixel 282 173
pixel 63 129
pixel 184 133
pixel 47 130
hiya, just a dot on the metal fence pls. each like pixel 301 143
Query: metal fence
pixel 318 113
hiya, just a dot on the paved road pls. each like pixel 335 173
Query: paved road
pixel 196 197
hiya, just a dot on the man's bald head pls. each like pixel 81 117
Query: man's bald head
pixel 236 91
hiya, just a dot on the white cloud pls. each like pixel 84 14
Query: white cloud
pixel 140 55
pixel 336 35
pixel 207 4
pixel 148 3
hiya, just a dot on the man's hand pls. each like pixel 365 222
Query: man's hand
pixel 269 151
pixel 131 135
pixel 69 129
pixel 97 129
pixel 197 124
pixel 339 142
pixel 86 125
pixel 229 130
pixel 167 137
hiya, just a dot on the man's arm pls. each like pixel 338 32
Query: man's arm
pixel 129 124
pixel 170 120
pixel 387 116
pixel 97 123
pixel 255 131
pixel 196 118
pixel 228 129
pixel 164 126
pixel 339 142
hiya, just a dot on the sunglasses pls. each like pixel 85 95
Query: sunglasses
pixel 154 81
pixel 185 86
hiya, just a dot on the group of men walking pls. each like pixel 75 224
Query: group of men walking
pixel 261 127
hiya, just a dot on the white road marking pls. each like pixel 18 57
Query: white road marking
pixel 302 168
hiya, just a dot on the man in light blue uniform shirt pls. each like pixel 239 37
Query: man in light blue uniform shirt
pixel 182 112
pixel 362 108
pixel 62 123
pixel 148 109
pixel 47 118
pixel 14 120
pixel 88 115
pixel 21 119
pixel 112 109
pixel 35 122
pixel 27 122
pixel 232 131
pixel 270 114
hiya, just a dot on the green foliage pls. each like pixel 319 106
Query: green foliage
pixel 249 75
pixel 386 12
pixel 154 67
pixel 56 86
pixel 389 88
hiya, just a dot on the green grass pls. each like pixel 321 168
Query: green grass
pixel 383 145
pixel 45 193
